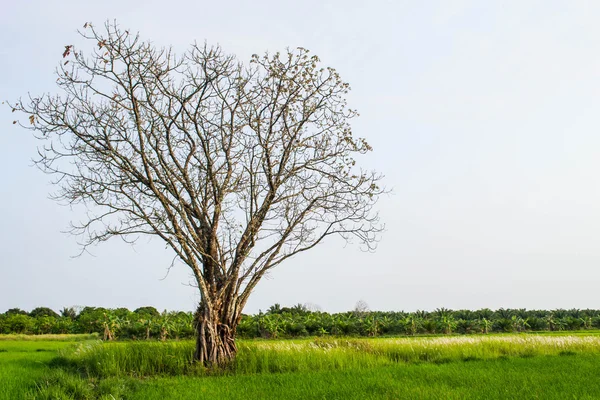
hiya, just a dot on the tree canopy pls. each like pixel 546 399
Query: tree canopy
pixel 236 166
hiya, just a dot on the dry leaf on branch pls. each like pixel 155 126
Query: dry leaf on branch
pixel 67 50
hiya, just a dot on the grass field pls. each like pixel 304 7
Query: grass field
pixel 478 367
pixel 24 362
pixel 544 377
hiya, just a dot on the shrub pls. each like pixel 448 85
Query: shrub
pixel 19 323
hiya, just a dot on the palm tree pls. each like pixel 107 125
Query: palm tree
pixel 68 312
pixel 503 313
pixel 299 309
pixel 467 315
pixel 521 313
pixel 484 313
pixel 442 312
pixel 466 326
pixel 274 309
pixel 560 313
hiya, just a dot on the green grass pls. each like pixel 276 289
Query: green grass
pixel 142 359
pixel 24 362
pixel 544 377
pixel 456 367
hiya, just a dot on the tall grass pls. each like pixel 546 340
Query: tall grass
pixel 362 368
pixel 548 378
pixel 138 359
pixel 24 362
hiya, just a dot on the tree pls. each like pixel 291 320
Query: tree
pixel 15 311
pixel 274 309
pixel 412 324
pixel 361 308
pixel 147 323
pixel 68 312
pixel 165 325
pixel 43 312
pixel 111 324
pixel 147 311
pixel 18 323
pixel 91 319
pixel 485 325
pixel 236 167
pixel 447 323
pixel 44 324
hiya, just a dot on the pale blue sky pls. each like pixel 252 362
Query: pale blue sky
pixel 484 117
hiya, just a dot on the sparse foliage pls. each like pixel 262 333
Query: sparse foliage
pixel 361 308
pixel 237 167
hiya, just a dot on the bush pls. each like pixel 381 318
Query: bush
pixel 19 323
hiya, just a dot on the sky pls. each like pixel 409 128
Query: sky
pixel 483 117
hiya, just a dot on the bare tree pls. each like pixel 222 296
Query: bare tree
pixel 237 167
pixel 361 308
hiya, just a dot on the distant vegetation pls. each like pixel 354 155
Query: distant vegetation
pixel 296 321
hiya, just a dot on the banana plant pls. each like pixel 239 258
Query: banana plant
pixel 371 325
pixel 147 323
pixel 412 324
pixel 272 325
pixel 110 324
pixel 551 321
pixel 586 322
pixel 447 323
pixel 519 324
pixel 165 325
pixel 486 325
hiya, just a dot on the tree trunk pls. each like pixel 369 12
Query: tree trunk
pixel 215 333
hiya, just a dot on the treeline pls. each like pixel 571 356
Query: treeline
pixel 142 323
pixel 296 321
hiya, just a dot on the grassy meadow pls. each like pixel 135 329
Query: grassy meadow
pixel 24 362
pixel 443 367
